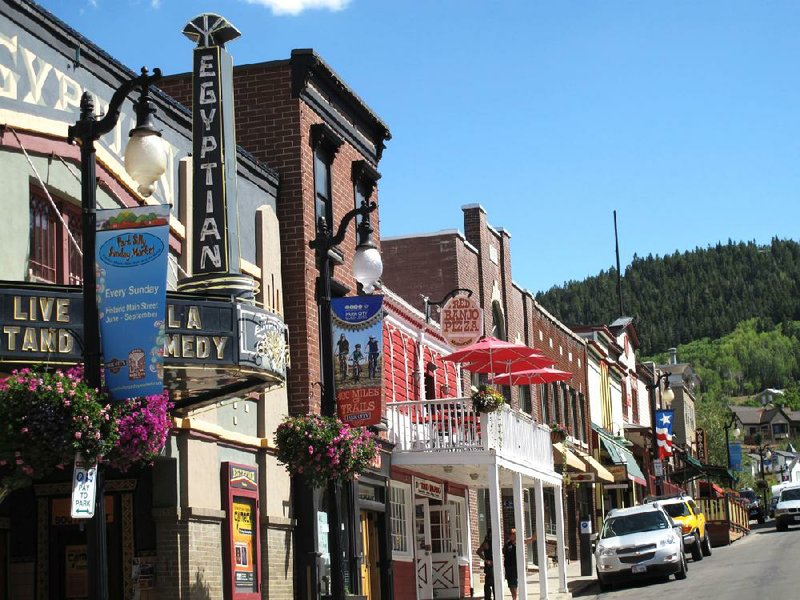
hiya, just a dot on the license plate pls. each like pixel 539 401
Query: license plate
pixel 639 569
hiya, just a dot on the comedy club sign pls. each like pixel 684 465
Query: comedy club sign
pixel 207 343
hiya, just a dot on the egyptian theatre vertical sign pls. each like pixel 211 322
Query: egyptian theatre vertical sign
pixel 216 246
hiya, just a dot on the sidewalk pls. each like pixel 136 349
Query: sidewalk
pixel 577 585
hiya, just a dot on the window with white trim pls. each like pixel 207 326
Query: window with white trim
pixel 401 518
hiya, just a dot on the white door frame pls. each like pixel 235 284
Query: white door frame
pixel 423 561
pixel 445 563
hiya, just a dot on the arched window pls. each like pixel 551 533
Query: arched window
pixel 498 321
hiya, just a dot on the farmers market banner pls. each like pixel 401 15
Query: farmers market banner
pixel 131 262
pixel 358 358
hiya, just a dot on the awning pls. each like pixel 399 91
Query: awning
pixel 622 456
pixel 614 450
pixel 634 471
pixel 694 469
pixel 565 454
pixel 595 466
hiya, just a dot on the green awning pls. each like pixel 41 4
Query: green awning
pixel 689 459
pixel 620 455
pixel 634 471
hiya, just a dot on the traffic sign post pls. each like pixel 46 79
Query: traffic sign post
pixel 84 488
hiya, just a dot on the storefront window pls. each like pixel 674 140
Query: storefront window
pixel 400 519
pixel 458 524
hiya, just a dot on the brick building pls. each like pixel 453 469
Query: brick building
pixel 431 265
pixel 299 117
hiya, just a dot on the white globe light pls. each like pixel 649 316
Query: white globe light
pixel 367 267
pixel 667 396
pixel 737 432
pixel 145 159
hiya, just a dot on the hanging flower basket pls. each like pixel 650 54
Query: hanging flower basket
pixel 761 485
pixel 324 449
pixel 558 432
pixel 487 399
pixel 143 425
pixel 47 417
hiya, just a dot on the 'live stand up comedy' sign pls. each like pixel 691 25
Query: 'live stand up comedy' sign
pixel 214 179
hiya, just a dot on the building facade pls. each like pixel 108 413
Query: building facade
pixel 167 524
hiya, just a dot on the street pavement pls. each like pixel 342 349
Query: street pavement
pixel 762 565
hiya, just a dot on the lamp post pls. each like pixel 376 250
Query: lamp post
pixel 764 452
pixel 667 396
pixel 367 269
pixel 736 433
pixel 145 162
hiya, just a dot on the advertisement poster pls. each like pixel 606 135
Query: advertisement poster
pixel 76 572
pixel 358 358
pixel 243 571
pixel 131 262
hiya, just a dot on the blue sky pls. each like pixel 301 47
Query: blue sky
pixel 684 116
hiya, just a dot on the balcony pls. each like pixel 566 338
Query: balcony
pixel 451 436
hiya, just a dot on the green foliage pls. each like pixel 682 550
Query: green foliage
pixel 700 294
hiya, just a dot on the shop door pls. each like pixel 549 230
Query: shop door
pixel 422 550
pixel 444 557
pixel 370 573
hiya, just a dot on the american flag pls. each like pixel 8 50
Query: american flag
pixel 664 432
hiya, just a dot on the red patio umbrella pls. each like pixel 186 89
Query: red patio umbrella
pixel 491 355
pixel 532 377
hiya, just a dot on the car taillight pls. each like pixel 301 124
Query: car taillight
pixel 686 528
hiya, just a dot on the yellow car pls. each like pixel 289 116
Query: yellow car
pixel 692 520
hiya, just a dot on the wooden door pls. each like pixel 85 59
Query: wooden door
pixel 370 572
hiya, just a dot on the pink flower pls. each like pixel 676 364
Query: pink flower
pixel 24 430
pixel 78 435
pixel 311 449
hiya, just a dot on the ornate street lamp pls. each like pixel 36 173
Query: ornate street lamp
pixel 145 161
pixel 367 269
pixel 667 396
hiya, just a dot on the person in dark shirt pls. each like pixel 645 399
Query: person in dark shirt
pixel 510 561
pixel 485 552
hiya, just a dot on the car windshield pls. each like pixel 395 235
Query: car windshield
pixel 635 523
pixel 677 510
pixel 748 494
pixel 790 494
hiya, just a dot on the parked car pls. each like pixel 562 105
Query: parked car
pixel 754 506
pixel 683 509
pixel 639 542
pixel 787 511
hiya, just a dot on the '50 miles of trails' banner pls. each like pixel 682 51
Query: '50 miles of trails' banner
pixel 131 262
pixel 358 362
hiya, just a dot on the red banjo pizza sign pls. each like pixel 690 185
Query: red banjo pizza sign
pixel 462 321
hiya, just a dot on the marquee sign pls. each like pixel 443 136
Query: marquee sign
pixel 214 179
pixel 212 347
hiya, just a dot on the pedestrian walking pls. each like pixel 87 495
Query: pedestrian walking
pixel 485 552
pixel 510 561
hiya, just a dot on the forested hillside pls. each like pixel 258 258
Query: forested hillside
pixel 687 296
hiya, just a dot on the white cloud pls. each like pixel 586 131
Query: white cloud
pixel 295 7
pixel 155 3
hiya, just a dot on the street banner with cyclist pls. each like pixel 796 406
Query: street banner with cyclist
pixel 358 358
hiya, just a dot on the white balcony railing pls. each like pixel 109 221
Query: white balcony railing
pixel 451 425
